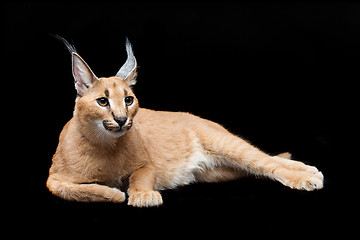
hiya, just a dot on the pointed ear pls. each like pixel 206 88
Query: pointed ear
pixel 128 70
pixel 131 78
pixel 84 77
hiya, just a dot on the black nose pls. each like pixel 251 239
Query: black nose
pixel 120 120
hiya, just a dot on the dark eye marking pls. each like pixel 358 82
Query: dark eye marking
pixel 106 93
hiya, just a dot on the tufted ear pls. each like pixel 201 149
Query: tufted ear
pixel 128 70
pixel 84 77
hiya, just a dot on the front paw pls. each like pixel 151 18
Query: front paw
pixel 144 199
pixel 117 196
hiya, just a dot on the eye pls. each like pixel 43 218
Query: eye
pixel 129 100
pixel 103 102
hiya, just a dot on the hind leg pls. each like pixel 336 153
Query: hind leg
pixel 220 174
pixel 232 151
pixel 223 174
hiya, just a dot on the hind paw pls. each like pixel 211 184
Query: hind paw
pixel 305 181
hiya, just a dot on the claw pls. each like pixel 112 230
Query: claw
pixel 313 185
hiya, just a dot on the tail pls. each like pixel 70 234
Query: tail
pixel 286 155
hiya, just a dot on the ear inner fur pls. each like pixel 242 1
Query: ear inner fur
pixel 128 71
pixel 83 75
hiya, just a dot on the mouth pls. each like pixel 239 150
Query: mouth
pixel 108 125
pixel 114 128
pixel 106 131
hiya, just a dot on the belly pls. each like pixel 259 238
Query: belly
pixel 184 171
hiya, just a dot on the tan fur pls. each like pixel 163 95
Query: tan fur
pixel 160 150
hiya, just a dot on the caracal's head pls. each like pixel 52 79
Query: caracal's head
pixel 105 107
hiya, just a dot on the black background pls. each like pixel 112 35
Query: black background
pixel 279 74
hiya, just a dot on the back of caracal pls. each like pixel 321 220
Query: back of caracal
pixel 110 139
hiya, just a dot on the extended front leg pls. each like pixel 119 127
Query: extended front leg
pixel 83 192
pixel 141 189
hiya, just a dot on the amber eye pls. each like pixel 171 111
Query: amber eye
pixel 103 102
pixel 129 100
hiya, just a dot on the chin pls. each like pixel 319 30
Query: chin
pixel 117 133
pixel 105 136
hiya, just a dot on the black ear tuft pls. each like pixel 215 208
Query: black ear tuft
pixel 71 48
